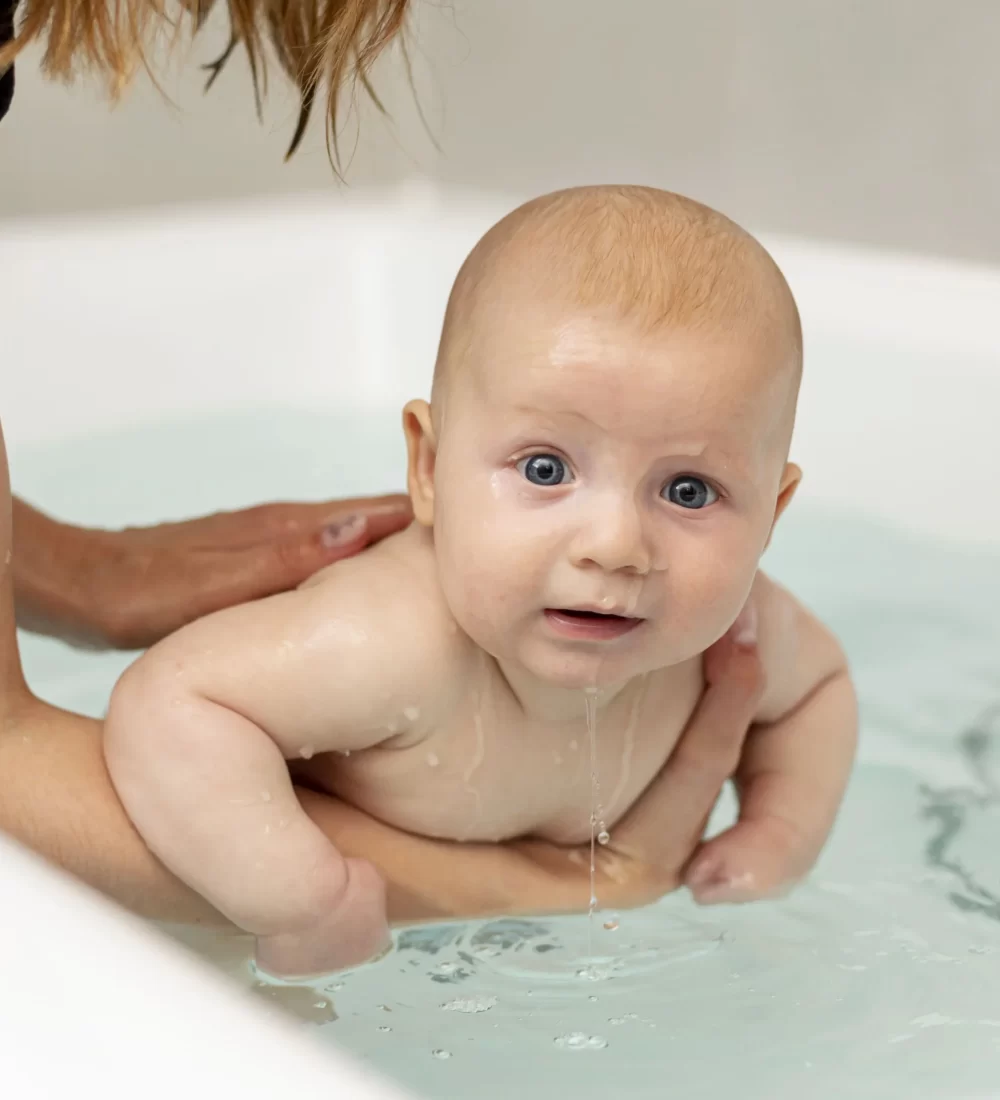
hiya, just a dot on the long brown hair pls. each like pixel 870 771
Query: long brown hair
pixel 318 43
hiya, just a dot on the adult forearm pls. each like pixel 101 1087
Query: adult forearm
pixel 432 880
pixel 56 798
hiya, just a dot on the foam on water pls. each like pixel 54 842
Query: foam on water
pixel 880 978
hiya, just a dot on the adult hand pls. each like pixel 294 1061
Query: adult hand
pixel 127 589
pixel 770 847
pixel 662 836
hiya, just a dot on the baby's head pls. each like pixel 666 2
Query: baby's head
pixel 605 452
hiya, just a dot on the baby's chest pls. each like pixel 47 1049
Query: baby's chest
pixel 495 776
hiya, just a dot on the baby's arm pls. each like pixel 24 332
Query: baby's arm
pixel 198 732
pixel 795 763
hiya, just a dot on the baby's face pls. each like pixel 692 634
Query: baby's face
pixel 602 495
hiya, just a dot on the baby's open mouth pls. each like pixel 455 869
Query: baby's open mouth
pixel 598 625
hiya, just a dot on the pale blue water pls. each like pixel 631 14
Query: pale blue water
pixel 878 979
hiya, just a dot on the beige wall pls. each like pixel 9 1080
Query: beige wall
pixel 865 120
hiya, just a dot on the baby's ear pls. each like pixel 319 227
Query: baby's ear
pixel 421 447
pixel 790 480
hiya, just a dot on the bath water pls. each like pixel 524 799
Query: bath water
pixel 879 978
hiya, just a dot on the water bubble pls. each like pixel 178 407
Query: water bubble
pixel 469 1004
pixel 384 1028
pixel 321 1004
pixel 604 837
pixel 578 1040
pixel 611 925
pixel 384 1008
pixel 616 1020
pixel 441 1055
pixel 593 973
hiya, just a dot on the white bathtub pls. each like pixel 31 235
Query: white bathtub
pixel 323 303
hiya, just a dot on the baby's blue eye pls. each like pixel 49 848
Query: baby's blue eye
pixel 543 470
pixel 690 492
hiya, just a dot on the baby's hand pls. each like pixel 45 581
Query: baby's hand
pixel 355 931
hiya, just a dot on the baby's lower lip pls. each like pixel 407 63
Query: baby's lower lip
pixel 589 626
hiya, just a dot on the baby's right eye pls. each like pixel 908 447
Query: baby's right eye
pixel 544 470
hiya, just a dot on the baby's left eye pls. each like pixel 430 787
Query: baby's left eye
pixel 690 492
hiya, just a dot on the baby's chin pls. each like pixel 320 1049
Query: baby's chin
pixel 582 668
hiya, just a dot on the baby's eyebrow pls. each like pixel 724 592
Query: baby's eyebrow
pixel 551 415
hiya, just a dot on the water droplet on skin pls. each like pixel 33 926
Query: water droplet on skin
pixel 432 760
pixel 441 1055
pixel 411 714
pixel 611 926
pixel 307 752
pixel 557 758
pixel 265 796
pixel 574 745
pixel 345 752
pixel 604 837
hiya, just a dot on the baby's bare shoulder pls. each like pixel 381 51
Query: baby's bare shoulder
pixel 392 593
pixel 797 650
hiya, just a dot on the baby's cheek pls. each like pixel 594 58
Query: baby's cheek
pixel 482 585
pixel 707 595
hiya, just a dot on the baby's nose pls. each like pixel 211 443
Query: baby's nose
pixel 614 540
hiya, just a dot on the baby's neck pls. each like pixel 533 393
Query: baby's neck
pixel 548 702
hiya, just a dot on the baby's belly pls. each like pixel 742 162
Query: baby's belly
pixel 418 790
pixel 425 798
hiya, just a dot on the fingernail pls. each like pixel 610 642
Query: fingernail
pixel 702 874
pixel 343 531
pixel 720 888
pixel 745 627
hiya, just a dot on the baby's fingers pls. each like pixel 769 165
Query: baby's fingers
pixel 791 781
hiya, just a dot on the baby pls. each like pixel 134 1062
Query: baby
pixel 597 475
